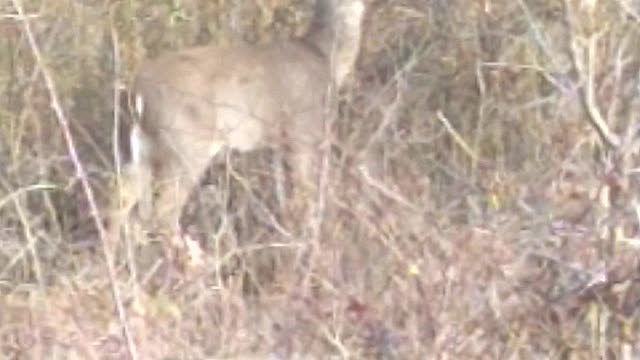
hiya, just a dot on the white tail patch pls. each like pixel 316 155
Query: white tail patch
pixel 139 145
pixel 139 105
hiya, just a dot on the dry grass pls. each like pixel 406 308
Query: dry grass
pixel 481 199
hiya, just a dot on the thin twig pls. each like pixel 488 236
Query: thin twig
pixel 390 116
pixel 586 77
pixel 457 137
pixel 384 190
pixel 80 173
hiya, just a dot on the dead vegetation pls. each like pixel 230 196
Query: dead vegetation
pixel 481 196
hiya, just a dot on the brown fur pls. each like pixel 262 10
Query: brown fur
pixel 192 103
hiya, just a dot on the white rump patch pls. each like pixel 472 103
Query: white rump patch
pixel 139 105
pixel 139 145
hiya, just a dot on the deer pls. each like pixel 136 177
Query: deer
pixel 191 104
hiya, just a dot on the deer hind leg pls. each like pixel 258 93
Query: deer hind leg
pixel 177 176
pixel 173 188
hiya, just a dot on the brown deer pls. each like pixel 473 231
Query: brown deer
pixel 191 104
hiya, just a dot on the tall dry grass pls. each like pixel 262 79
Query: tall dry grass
pixel 481 199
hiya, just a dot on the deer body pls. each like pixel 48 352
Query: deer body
pixel 239 97
pixel 192 103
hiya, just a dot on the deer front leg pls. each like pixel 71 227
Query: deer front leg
pixel 305 163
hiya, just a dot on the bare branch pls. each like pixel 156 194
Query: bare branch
pixel 81 173
pixel 586 75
